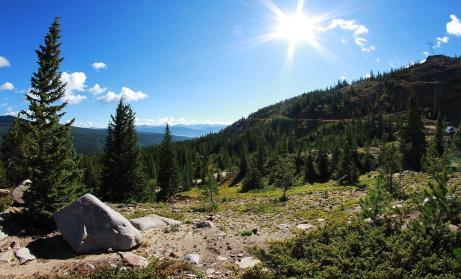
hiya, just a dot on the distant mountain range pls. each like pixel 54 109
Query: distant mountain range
pixel 88 140
pixel 191 131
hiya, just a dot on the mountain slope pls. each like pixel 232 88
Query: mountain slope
pixel 92 140
pixel 193 130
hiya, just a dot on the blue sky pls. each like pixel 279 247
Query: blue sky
pixel 203 61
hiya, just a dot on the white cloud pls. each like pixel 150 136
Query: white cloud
pixel 440 40
pixel 6 86
pixel 426 54
pixel 358 32
pixel 97 89
pixel 342 78
pixel 75 82
pixel 87 124
pixel 127 93
pixel 171 120
pixel 99 66
pixel 9 111
pixel 4 62
pixel 454 26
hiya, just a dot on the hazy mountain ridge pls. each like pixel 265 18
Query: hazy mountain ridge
pixel 192 130
pixel 90 140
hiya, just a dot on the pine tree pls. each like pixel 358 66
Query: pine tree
pixel 122 176
pixel 283 174
pixel 438 138
pixel 322 165
pixel 457 138
pixel 260 158
pixel 377 202
pixel 168 168
pixel 13 153
pixel 348 163
pixel 252 181
pixel 210 192
pixel 52 162
pixel 389 163
pixel 243 165
pixel 309 171
pixel 413 140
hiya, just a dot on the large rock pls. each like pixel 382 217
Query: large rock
pixel 18 192
pixel 247 262
pixel 153 221
pixel 89 225
pixel 134 260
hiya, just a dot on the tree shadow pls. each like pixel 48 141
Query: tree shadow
pixel 20 225
pixel 54 247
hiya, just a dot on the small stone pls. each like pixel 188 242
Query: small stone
pixel 89 267
pixel 193 258
pixel 134 260
pixel 204 224
pixel 14 245
pixel 283 226
pixel 3 235
pixel 222 258
pixel 6 256
pixel 254 231
pixel 209 271
pixel 24 255
pixel 304 226
pixel 247 262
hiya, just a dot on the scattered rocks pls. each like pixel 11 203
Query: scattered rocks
pixel 204 224
pixel 153 221
pixel 134 260
pixel 18 192
pixel 247 262
pixel 23 255
pixel 6 256
pixel 193 258
pixel 89 225
pixel 304 226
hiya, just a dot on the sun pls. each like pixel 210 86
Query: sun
pixel 296 28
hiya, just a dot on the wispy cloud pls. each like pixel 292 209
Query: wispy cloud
pixel 99 66
pixel 6 86
pixel 125 92
pixel 4 62
pixel 358 32
pixel 441 40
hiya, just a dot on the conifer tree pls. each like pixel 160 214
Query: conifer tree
pixel 348 165
pixel 309 171
pixel 389 163
pixel 168 167
pixel 243 165
pixel 260 158
pixel 322 164
pixel 438 138
pixel 457 138
pixel 210 192
pixel 283 174
pixel 413 140
pixel 122 177
pixel 52 162
pixel 377 202
pixel 13 154
pixel 252 180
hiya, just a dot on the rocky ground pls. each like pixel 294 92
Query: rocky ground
pixel 218 245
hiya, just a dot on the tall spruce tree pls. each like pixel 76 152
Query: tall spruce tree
pixel 122 177
pixel 413 139
pixel 167 180
pixel 309 171
pixel 323 171
pixel 52 162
